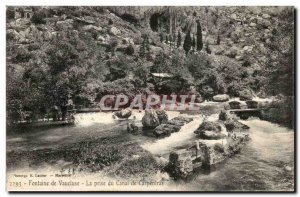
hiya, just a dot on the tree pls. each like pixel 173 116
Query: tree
pixel 145 47
pixel 178 39
pixel 280 58
pixel 199 37
pixel 161 37
pixel 39 17
pixel 194 43
pixel 10 13
pixel 187 42
pixel 161 63
pixel 218 39
pixel 207 48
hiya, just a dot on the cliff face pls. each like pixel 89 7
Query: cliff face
pixel 241 30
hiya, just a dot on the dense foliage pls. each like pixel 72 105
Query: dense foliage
pixel 53 62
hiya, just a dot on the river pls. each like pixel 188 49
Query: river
pixel 265 163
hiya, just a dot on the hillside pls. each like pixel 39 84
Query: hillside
pixel 63 55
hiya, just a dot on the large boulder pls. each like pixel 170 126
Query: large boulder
pixel 223 115
pixel 171 126
pixel 92 27
pixel 233 125
pixel 232 52
pixel 162 116
pixel 252 104
pixel 124 113
pixel 245 95
pixel 115 31
pixel 180 120
pixel 263 23
pixel 210 130
pixel 165 130
pixel 150 119
pixel 235 105
pixel 132 128
pixel 211 135
pixel 221 98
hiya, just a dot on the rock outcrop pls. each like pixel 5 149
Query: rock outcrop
pixel 210 130
pixel 150 119
pixel 132 128
pixel 252 104
pixel 234 105
pixel 124 113
pixel 162 116
pixel 173 125
pixel 221 98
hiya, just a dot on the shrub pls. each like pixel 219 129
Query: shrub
pixel 129 50
pixel 223 115
pixel 22 56
pixel 219 148
pixel 245 95
pixel 38 18
pixel 187 42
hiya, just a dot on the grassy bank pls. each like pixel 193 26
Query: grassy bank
pixel 118 156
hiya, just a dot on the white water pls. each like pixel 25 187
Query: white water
pixel 265 163
pixel 270 140
pixel 185 134
pixel 88 119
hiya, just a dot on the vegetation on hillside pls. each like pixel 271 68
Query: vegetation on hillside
pixel 68 55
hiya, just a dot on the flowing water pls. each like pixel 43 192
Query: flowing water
pixel 265 163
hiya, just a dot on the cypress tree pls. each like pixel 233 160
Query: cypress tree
pixel 142 49
pixel 207 49
pixel 194 43
pixel 187 42
pixel 178 39
pixel 199 37
pixel 161 37
pixel 218 40
pixel 145 47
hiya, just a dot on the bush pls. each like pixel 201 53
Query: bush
pixel 219 148
pixel 245 95
pixel 112 45
pixel 129 50
pixel 10 14
pixel 22 56
pixel 38 18
pixel 223 115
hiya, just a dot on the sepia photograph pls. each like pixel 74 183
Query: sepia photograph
pixel 150 99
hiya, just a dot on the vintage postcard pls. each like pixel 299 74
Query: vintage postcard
pixel 157 99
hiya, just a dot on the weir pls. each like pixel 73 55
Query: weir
pixel 246 113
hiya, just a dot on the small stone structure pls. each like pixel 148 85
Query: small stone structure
pixel 23 13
